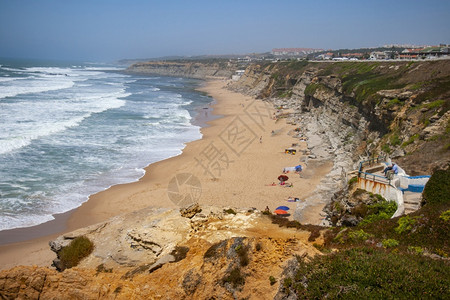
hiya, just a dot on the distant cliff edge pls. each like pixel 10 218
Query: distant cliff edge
pixel 199 70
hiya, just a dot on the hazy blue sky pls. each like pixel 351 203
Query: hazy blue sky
pixel 112 29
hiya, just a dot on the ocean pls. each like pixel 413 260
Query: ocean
pixel 69 130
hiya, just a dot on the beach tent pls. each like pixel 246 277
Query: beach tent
pixel 281 212
pixel 282 207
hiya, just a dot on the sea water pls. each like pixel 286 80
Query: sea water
pixel 70 130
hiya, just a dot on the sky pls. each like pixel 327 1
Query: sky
pixel 108 30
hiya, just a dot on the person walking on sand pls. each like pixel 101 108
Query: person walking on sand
pixel 260 139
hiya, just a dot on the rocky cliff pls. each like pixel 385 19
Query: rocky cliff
pixel 364 109
pixel 346 111
pixel 189 69
pixel 151 254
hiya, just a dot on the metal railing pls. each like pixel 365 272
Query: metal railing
pixel 371 162
pixel 371 176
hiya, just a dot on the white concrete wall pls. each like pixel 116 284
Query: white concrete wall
pixel 405 181
pixel 387 191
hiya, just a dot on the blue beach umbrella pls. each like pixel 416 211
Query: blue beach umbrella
pixel 283 207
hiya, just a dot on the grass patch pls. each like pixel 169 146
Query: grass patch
pixel 434 104
pixel 370 274
pixel 386 148
pixel 415 250
pixel 445 216
pixel 353 180
pixel 410 140
pixel 78 249
pixel 311 89
pixel 389 243
pixel 359 235
pixel 393 102
pixel 395 140
pixel 382 210
pixel 405 224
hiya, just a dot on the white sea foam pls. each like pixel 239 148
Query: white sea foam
pixel 34 86
pixel 23 220
pixel 24 122
pixel 73 151
pixel 5 79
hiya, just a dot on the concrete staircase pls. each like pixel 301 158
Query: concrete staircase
pixel 411 201
pixel 411 196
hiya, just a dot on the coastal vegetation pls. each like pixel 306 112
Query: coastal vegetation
pixel 403 257
pixel 367 273
pixel 72 254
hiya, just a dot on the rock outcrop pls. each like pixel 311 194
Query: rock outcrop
pixel 158 253
pixel 400 109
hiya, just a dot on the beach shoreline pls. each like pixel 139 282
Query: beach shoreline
pixel 249 157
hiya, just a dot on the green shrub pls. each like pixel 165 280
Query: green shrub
pixel 360 210
pixel 353 180
pixel 394 102
pixel 445 216
pixel 389 243
pixel 415 250
pixel 242 252
pixel 235 278
pixel 434 104
pixel 359 235
pixel 437 189
pixel 371 274
pixel 381 210
pixel 78 249
pixel 311 89
pixel 386 148
pixel 405 224
pixel 287 283
pixel 272 280
pixel 411 140
pixel 395 140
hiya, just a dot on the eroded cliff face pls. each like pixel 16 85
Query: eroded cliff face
pixel 364 109
pixel 199 70
pixel 201 253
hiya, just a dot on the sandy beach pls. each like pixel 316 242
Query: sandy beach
pixel 236 162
